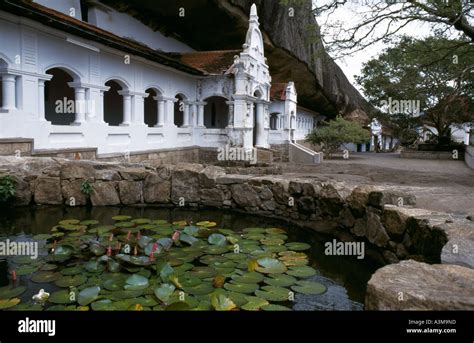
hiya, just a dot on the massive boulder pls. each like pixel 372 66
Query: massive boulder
pixel 411 285
pixel 292 44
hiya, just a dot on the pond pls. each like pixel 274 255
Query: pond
pixel 134 258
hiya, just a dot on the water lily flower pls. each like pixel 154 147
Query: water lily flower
pixel 41 296
pixel 175 236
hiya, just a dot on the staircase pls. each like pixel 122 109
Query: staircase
pixel 303 155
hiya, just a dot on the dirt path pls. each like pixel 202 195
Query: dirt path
pixel 446 186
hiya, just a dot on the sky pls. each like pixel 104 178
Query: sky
pixel 347 14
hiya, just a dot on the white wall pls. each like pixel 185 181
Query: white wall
pixel 63 6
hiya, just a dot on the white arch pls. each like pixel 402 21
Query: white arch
pixel 120 80
pixel 157 89
pixel 76 74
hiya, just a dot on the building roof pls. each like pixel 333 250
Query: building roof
pixel 278 91
pixel 208 62
pixel 63 22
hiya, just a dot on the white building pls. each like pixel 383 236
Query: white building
pixel 104 80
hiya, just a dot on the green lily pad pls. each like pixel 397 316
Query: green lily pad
pixel 249 277
pixel 26 269
pixel 48 267
pixel 71 281
pixel 254 304
pixel 281 280
pixel 136 282
pixel 241 287
pixel 42 237
pixel 217 249
pixel 217 239
pixel 72 270
pixel 301 271
pixel 272 241
pixel 94 266
pixel 164 292
pixel 61 297
pixel 222 303
pixel 88 295
pixel 273 293
pixel 269 265
pixel 254 230
pixel 9 292
pixel 201 289
pixel 296 246
pixel 89 222
pixel 63 252
pixel 69 222
pixel 275 307
pixel 187 239
pixel 275 231
pixel 203 272
pixel 9 303
pixel 309 287
pixel 125 294
pixel 23 259
pixel 45 276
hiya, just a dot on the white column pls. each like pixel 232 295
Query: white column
pixel 80 102
pixel 138 112
pixel 8 92
pixel 127 108
pixel 260 125
pixel 186 115
pixel 160 112
pixel 99 109
pixel 41 105
pixel 201 114
pixel 231 113
pixel 170 111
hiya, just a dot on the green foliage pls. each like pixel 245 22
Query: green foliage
pixel 337 132
pixel 7 188
pixel 86 187
pixel 434 71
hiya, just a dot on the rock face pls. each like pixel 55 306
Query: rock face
pixel 292 44
pixel 411 285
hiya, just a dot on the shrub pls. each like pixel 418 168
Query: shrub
pixel 7 188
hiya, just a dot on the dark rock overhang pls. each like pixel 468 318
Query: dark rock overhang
pixel 222 25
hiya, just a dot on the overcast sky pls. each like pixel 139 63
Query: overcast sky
pixel 349 13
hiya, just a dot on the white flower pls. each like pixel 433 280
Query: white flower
pixel 41 296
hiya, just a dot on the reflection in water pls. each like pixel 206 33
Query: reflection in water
pixel 343 274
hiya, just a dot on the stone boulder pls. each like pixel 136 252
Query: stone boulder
pixel 131 192
pixel 72 170
pixel 371 228
pixel 458 251
pixel 104 194
pixel 209 175
pixel 22 191
pixel 156 189
pixel 71 191
pixel 411 285
pixel 380 198
pixel 133 174
pixel 185 183
pixel 245 196
pixel 48 191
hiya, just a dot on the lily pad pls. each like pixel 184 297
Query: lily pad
pixel 309 287
pixel 254 304
pixel 273 293
pixel 217 239
pixel 203 272
pixel 297 246
pixel 69 222
pixel 281 280
pixel 164 292
pixel 26 269
pixel 61 297
pixel 269 265
pixel 8 303
pixel 72 270
pixel 201 289
pixel 222 303
pixel 121 218
pixel 42 237
pixel 88 295
pixel 249 277
pixel 301 271
pixel 241 287
pixel 136 282
pixel 71 281
pixel 45 276
pixel 9 292
pixel 275 307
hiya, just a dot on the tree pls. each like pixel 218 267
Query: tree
pixel 337 132
pixel 422 79
pixel 382 21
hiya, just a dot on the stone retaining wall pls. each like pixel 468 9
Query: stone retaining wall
pixel 386 220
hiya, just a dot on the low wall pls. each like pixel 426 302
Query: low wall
pixel 366 214
pixel 469 156
pixel 430 155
